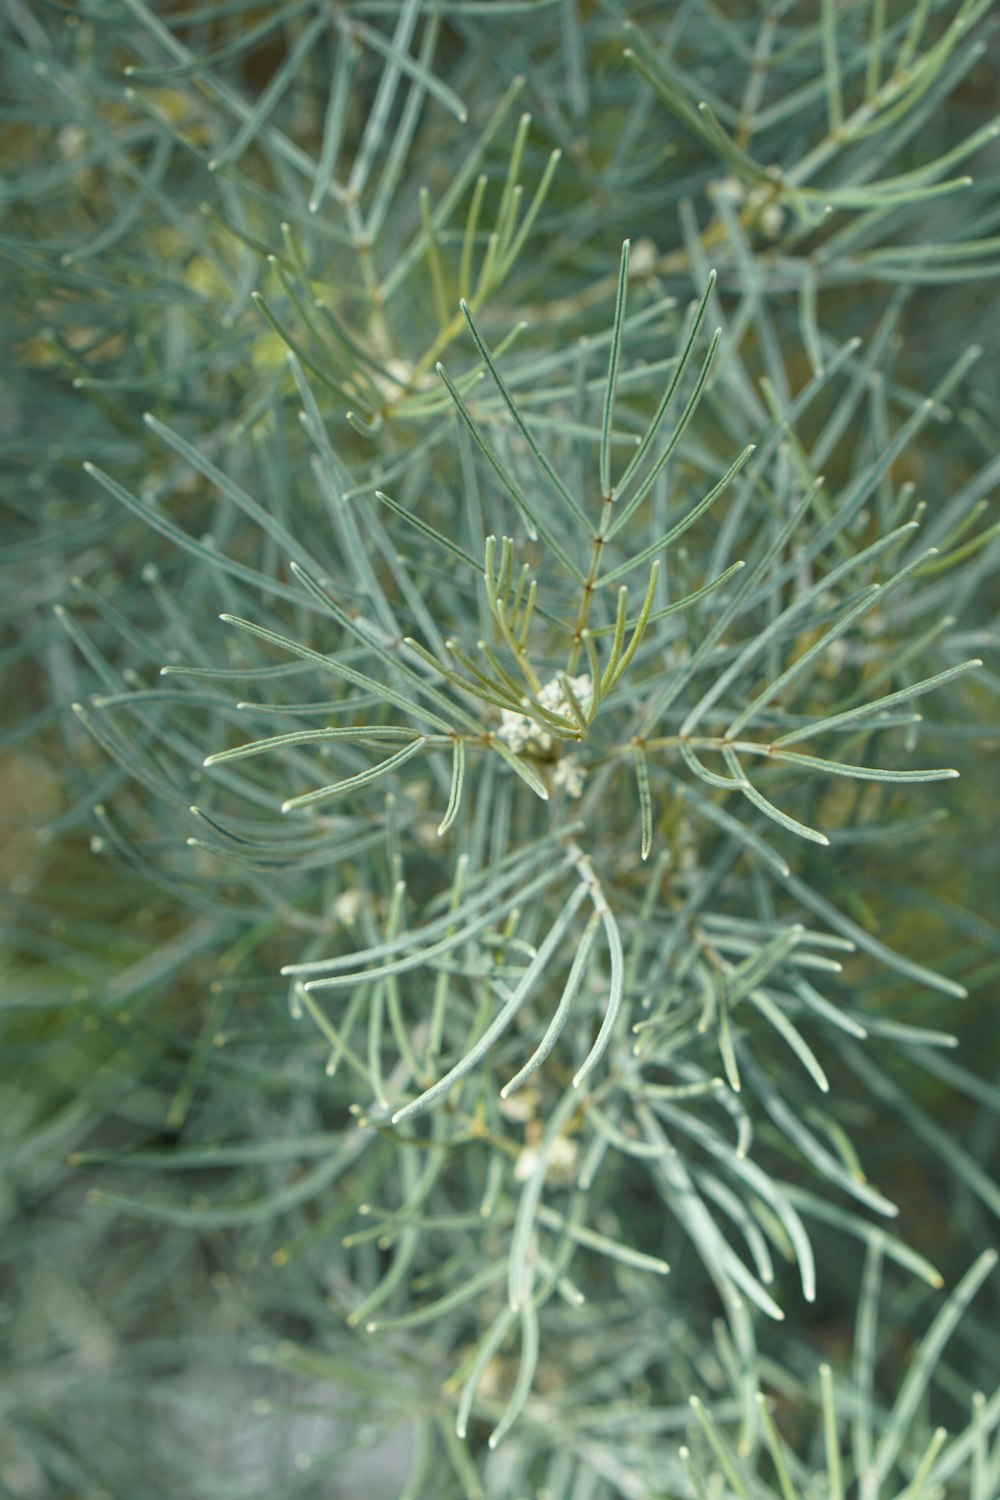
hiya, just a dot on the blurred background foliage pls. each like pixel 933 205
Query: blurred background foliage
pixel 172 1312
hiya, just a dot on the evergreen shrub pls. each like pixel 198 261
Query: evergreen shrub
pixel 497 537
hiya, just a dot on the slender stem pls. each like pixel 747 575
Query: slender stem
pixel 376 301
pixel 589 586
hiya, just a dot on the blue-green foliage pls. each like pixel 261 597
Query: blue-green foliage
pixel 498 521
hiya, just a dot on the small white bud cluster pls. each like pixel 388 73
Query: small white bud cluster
pixel 522 733
pixel 643 258
pixel 347 907
pixel 398 379
pixel 570 774
pixel 562 1161
pixel 71 141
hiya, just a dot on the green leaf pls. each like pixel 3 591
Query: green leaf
pixel 355 783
